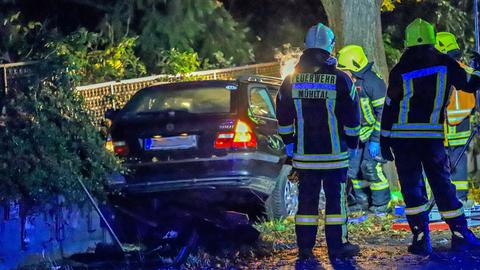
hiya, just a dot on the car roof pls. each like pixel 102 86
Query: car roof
pixel 190 84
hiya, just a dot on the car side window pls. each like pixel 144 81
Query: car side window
pixel 260 102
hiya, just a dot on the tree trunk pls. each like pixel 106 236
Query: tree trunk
pixel 358 22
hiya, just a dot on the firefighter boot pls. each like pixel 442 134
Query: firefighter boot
pixel 463 239
pixel 346 250
pixel 421 241
pixel 305 254
pixel 306 260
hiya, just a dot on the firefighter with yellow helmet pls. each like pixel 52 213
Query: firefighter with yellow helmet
pixel 371 188
pixel 413 118
pixel 457 123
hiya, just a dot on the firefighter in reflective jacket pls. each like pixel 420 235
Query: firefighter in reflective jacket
pixel 457 124
pixel 318 116
pixel 365 171
pixel 413 127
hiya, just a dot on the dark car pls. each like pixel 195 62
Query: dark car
pixel 207 146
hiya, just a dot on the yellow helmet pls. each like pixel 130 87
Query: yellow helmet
pixel 352 57
pixel 446 42
pixel 419 32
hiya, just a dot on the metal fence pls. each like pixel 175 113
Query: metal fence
pixel 102 96
pixel 14 74
pixel 114 94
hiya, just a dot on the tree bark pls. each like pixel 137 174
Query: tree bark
pixel 358 22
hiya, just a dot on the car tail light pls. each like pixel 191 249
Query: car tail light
pixel 242 137
pixel 120 148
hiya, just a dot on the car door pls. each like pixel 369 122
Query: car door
pixel 262 112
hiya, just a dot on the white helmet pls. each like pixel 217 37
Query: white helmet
pixel 321 37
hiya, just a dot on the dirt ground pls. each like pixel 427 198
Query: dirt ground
pixel 381 248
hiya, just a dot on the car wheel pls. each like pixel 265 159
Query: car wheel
pixel 283 201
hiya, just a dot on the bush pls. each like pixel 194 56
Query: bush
pixel 48 141
pixel 176 62
pixel 92 58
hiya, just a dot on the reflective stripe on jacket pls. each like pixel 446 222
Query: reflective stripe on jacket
pixel 419 88
pixel 321 105
pixel 371 89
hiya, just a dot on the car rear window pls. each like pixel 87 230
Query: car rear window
pixel 193 100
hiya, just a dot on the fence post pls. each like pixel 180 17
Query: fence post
pixel 5 83
pixel 112 92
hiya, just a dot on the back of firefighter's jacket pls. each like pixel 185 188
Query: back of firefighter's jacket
pixel 419 89
pixel 318 111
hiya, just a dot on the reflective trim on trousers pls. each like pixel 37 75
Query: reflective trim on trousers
pixel 285 130
pixel 307 220
pixel 383 184
pixel 352 131
pixel 410 211
pixel 461 185
pixel 343 211
pixel 335 220
pixel 452 213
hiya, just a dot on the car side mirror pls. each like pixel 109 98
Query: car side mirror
pixel 111 113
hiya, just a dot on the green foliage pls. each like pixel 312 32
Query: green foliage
pixel 393 54
pixel 20 40
pixel 92 58
pixel 175 62
pixel 202 26
pixel 48 141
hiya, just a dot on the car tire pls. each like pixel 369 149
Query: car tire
pixel 283 201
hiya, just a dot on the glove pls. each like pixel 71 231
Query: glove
pixel 289 149
pixel 475 61
pixel 374 149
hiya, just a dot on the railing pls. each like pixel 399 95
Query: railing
pixel 102 96
pixel 15 73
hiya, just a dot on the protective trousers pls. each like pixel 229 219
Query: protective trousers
pixel 366 173
pixel 306 220
pixel 460 174
pixel 410 156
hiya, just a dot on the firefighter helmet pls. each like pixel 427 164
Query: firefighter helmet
pixel 352 57
pixel 446 42
pixel 321 37
pixel 419 32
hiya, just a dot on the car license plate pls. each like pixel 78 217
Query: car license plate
pixel 170 143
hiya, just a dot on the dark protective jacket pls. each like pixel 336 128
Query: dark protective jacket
pixel 318 111
pixel 372 90
pixel 418 92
